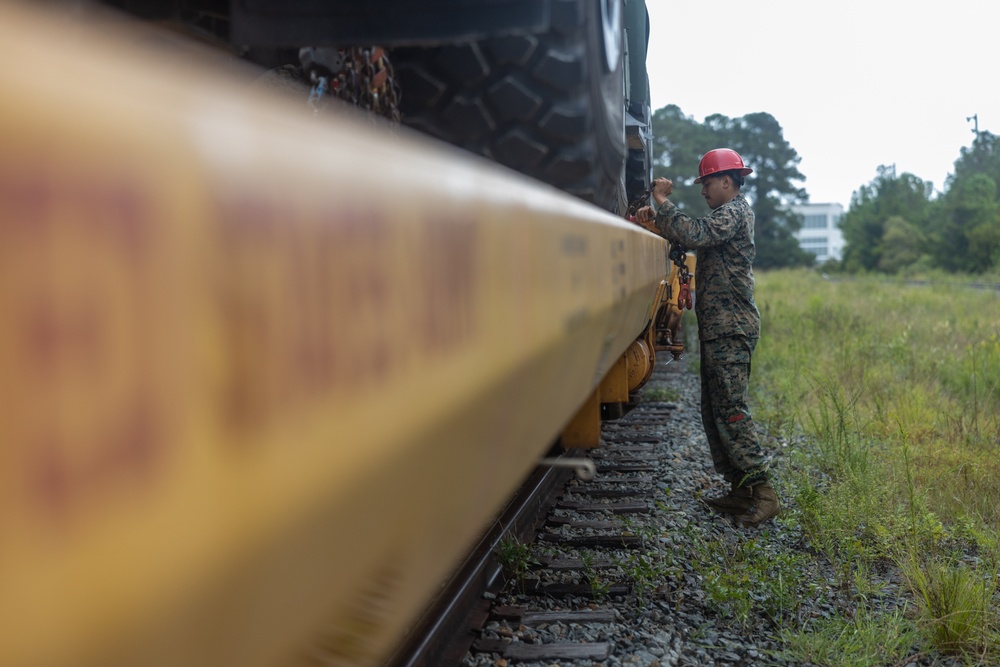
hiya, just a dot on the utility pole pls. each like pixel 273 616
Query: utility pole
pixel 975 119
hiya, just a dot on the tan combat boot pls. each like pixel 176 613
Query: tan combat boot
pixel 737 501
pixel 763 506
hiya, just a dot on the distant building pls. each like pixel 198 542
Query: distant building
pixel 820 233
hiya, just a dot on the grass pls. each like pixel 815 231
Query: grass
pixel 863 640
pixel 954 600
pixel 514 557
pixel 891 393
pixel 661 394
pixel 888 399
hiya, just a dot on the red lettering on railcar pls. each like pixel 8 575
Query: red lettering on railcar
pixel 27 194
pixel 51 478
pixel 120 211
pixel 304 303
pixel 309 308
pixel 79 293
pixel 66 471
pixel 110 207
pixel 367 298
pixel 447 316
pixel 55 334
pixel 246 226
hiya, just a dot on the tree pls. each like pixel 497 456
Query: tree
pixel 680 141
pixel 892 222
pixel 864 224
pixel 902 245
pixel 967 233
pixel 983 157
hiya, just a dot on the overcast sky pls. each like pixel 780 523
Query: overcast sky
pixel 853 84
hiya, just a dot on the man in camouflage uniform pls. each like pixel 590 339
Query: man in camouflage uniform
pixel 728 326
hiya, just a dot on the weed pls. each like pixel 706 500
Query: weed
pixel 954 601
pixel 864 640
pixel 753 580
pixel 651 568
pixel 661 394
pixel 514 557
pixel 646 571
pixel 600 587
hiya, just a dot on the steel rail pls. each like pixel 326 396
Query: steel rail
pixel 447 628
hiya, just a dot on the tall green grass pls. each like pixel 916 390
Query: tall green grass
pixel 892 394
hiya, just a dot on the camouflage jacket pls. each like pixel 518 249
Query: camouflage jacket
pixel 723 242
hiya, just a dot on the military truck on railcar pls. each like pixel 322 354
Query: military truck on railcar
pixel 555 89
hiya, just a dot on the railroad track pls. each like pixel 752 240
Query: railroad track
pixel 569 553
pixel 590 552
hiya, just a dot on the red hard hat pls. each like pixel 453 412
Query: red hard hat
pixel 720 159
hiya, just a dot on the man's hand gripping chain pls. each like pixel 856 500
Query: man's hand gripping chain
pixel 678 255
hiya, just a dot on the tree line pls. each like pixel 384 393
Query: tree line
pixel 893 225
pixel 896 225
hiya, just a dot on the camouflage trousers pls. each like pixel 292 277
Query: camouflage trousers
pixel 732 436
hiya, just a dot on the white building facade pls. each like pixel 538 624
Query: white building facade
pixel 820 233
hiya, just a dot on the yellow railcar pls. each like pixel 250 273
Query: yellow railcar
pixel 265 376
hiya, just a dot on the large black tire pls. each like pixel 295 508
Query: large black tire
pixel 550 105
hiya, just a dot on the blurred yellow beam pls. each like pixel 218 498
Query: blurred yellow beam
pixel 264 376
